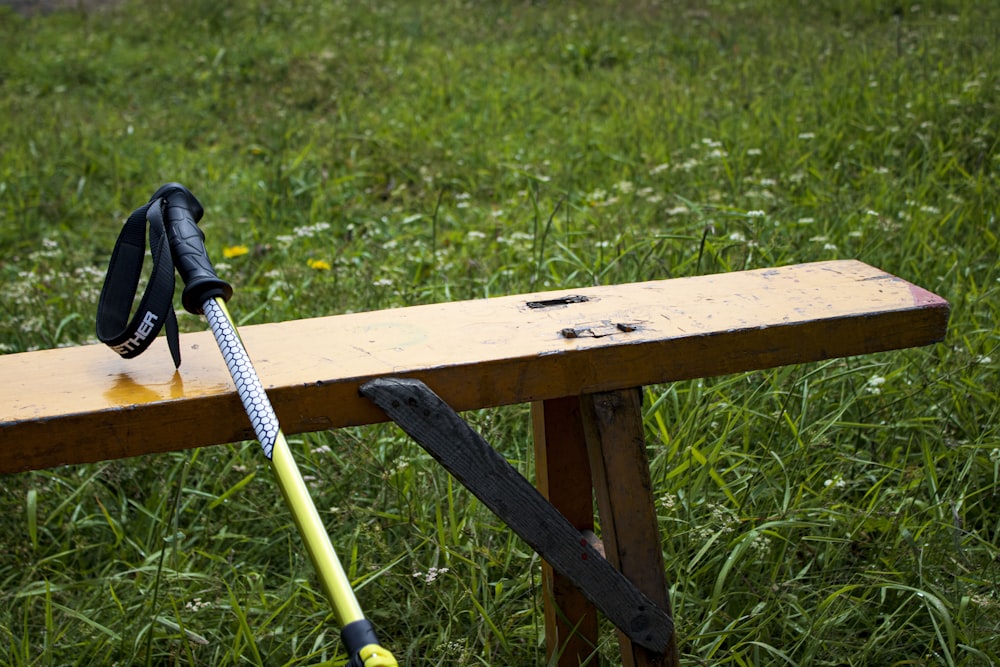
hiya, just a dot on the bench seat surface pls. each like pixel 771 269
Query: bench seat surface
pixel 82 404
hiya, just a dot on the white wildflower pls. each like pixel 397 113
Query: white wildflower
pixel 837 482
pixel 430 575
pixel 311 230
pixel 196 605
pixel 874 384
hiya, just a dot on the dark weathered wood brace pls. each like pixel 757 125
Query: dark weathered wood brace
pixel 578 356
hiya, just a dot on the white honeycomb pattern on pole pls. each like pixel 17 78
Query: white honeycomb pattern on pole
pixel 248 386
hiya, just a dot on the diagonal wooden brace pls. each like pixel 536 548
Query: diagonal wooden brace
pixel 473 462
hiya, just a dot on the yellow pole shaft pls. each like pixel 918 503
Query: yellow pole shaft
pixel 331 573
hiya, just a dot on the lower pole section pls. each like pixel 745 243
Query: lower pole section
pixel 331 573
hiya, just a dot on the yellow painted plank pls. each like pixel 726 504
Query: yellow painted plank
pixel 81 404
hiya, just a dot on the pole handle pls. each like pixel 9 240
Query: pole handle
pixel 181 212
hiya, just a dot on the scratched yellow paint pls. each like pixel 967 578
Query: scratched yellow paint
pixel 85 403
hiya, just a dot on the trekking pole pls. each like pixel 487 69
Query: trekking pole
pixel 174 209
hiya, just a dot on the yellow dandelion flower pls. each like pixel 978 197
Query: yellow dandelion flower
pixel 319 264
pixel 234 251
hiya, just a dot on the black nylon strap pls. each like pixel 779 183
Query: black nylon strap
pixel 129 338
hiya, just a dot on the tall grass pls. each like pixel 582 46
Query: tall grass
pixel 362 155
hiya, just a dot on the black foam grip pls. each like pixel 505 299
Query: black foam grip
pixel 181 214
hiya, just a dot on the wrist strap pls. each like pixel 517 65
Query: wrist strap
pixel 129 338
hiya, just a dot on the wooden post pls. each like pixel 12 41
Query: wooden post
pixel 620 472
pixel 562 475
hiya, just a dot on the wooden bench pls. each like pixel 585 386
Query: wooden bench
pixel 576 355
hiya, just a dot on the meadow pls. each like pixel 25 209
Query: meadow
pixel 363 155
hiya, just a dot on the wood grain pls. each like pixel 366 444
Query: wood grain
pixel 620 470
pixel 81 404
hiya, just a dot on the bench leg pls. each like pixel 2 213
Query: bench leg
pixel 620 471
pixel 562 474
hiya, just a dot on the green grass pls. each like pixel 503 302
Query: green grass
pixel 371 155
